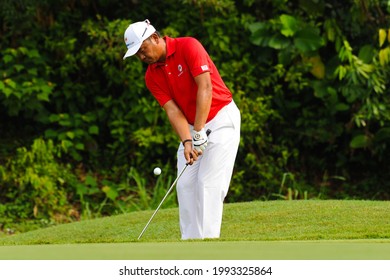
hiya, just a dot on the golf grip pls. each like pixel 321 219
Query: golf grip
pixel 166 195
pixel 208 131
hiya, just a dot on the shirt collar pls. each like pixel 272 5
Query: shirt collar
pixel 171 45
pixel 171 49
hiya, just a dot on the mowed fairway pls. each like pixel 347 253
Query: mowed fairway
pixel 234 250
pixel 279 230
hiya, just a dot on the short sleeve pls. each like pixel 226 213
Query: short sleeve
pixel 197 57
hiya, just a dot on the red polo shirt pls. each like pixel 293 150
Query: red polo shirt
pixel 174 79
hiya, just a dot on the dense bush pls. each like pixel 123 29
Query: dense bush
pixel 80 132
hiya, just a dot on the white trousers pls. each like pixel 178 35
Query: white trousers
pixel 203 186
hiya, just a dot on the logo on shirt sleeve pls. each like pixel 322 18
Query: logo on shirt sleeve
pixel 204 67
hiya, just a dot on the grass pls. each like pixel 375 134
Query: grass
pixel 274 220
pixel 210 250
pixel 288 229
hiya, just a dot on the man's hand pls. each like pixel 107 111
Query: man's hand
pixel 199 140
pixel 190 153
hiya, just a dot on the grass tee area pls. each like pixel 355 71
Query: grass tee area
pixel 254 230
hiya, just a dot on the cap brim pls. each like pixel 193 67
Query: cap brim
pixel 135 48
pixel 132 50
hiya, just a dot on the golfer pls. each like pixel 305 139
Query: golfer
pixel 187 85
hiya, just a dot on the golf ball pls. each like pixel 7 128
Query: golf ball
pixel 157 171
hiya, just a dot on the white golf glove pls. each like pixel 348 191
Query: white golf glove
pixel 199 140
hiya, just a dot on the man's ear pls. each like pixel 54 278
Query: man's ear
pixel 155 38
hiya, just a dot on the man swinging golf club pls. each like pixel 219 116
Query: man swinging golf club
pixel 186 83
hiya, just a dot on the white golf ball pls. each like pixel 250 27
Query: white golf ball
pixel 157 171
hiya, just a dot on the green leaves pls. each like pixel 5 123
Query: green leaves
pixel 332 85
pixel 74 133
pixel 290 25
pixel 35 183
pixel 311 78
pixel 382 36
pixel 308 40
pixel 360 141
pixel 287 32
pixel 24 82
pixel 260 33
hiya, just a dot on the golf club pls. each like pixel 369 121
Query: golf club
pixel 169 190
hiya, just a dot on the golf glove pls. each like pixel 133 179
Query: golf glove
pixel 199 140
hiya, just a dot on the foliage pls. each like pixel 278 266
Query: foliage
pixel 33 185
pixel 36 186
pixel 310 78
pixel 333 102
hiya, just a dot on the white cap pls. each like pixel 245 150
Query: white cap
pixel 135 34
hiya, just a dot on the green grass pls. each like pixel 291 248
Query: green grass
pixel 275 220
pixel 276 229
pixel 211 250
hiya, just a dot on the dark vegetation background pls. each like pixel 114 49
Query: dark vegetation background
pixel 80 134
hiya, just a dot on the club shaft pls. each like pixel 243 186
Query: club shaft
pixel 166 195
pixel 162 201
